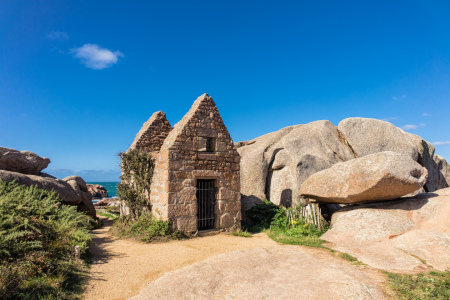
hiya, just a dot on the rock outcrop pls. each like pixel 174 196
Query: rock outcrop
pixel 274 166
pixel 97 191
pixel 399 235
pixel 376 177
pixel 24 162
pixel 368 136
pixel 72 190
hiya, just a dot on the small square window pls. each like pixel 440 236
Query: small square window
pixel 205 144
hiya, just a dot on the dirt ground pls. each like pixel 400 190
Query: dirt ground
pixel 121 268
pixel 224 267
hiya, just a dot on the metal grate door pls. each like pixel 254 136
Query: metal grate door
pixel 205 204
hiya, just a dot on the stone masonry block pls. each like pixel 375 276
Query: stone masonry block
pixel 226 220
pixel 187 195
pixel 187 224
pixel 179 210
pixel 219 208
pixel 234 206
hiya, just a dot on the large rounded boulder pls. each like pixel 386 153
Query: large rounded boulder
pixel 275 165
pixel 381 176
pixel 368 136
pixel 24 162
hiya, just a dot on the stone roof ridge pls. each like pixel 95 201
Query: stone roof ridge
pixel 149 128
pixel 178 128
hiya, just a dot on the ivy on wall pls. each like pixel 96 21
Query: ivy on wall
pixel 134 188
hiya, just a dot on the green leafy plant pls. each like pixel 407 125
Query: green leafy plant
pixel 37 238
pixel 263 214
pixel 134 188
pixel 286 225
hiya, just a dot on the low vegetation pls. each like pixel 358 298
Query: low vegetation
pixel 285 225
pixel 37 238
pixel 432 285
pixel 108 213
pixel 146 229
pixel 242 233
pixel 348 257
pixel 134 188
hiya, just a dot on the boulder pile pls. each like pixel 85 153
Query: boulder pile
pixel 97 191
pixel 276 165
pixel 26 167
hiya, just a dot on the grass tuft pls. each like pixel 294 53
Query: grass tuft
pixel 432 285
pixel 146 229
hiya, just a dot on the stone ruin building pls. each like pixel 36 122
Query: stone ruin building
pixel 196 181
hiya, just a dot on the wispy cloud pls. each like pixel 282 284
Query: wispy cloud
pixel 413 127
pixel 389 119
pixel 441 143
pixel 95 57
pixel 58 36
pixel 410 127
pixel 401 97
pixel 426 114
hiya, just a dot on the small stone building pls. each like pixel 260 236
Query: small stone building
pixel 196 182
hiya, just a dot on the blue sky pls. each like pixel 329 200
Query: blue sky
pixel 79 78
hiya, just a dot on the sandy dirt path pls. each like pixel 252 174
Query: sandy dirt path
pixel 121 268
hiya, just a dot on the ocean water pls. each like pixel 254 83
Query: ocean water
pixel 111 187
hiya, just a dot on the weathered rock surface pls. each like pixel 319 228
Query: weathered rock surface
pixel 275 165
pixel 24 162
pixel 368 136
pixel 97 191
pixel 397 235
pixel 376 177
pixel 108 202
pixel 279 272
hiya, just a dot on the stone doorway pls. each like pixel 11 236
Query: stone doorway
pixel 205 204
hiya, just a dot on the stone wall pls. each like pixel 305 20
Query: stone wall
pixel 180 164
pixel 152 134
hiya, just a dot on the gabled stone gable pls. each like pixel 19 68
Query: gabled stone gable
pixel 152 134
pixel 180 164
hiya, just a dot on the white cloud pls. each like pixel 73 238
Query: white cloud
pixel 441 143
pixel 95 57
pixel 427 114
pixel 389 119
pixel 422 124
pixel 58 36
pixel 410 127
pixel 401 97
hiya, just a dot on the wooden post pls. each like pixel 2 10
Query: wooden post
pixel 77 252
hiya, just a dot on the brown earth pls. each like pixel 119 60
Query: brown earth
pixel 224 267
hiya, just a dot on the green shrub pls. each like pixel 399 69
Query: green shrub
pixel 286 225
pixel 263 214
pixel 37 238
pixel 147 229
pixel 433 285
